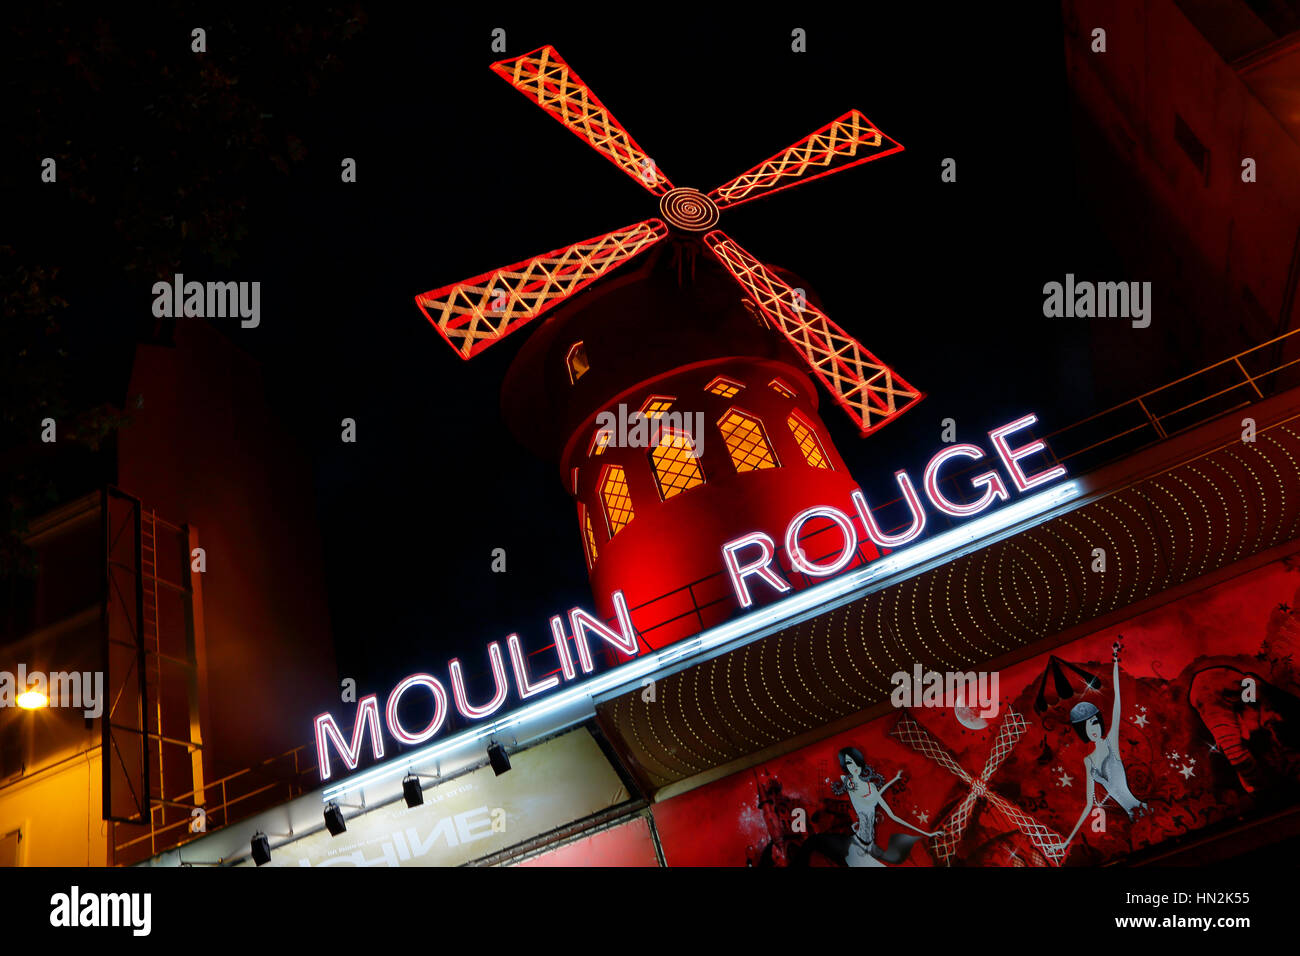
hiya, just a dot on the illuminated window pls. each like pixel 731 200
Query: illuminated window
pixel 599 442
pixel 808 443
pixel 724 387
pixel 577 361
pixel 746 441
pixel 675 465
pixel 656 405
pixel 618 503
pixel 588 534
pixel 781 388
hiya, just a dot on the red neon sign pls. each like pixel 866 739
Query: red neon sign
pixel 752 554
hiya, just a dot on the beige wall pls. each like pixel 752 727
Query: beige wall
pixel 58 810
pixel 53 792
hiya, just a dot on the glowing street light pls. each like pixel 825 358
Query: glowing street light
pixel 32 700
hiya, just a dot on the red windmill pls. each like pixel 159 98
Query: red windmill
pixel 640 341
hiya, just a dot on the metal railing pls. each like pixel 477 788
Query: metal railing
pixel 242 793
pixel 1180 405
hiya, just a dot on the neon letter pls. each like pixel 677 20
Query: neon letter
pixel 1012 458
pixel 991 481
pixel 328 730
pixel 526 687
pixel 737 572
pixel 498 677
pixel 562 648
pixel 624 638
pixel 439 709
pixel 800 561
pixel 873 528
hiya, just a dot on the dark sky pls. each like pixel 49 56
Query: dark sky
pixel 459 173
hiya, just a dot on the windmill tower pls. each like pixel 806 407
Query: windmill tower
pixel 699 332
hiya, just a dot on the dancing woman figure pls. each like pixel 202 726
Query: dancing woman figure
pixel 1104 766
pixel 866 793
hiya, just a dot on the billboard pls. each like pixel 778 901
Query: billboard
pixel 549 785
pixel 1178 719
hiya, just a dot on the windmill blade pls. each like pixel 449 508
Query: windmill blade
pixel 922 741
pixel 848 141
pixel 1012 728
pixel 546 79
pixel 1045 840
pixel 473 314
pixel 871 392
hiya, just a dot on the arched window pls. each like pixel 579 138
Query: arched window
pixel 746 441
pixel 577 362
pixel 781 388
pixel 724 387
pixel 656 405
pixel 809 446
pixel 588 534
pixel 675 466
pixel 617 500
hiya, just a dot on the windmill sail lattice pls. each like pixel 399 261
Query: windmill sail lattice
pixel 848 141
pixel 551 83
pixel 871 392
pixel 1012 728
pixel 475 313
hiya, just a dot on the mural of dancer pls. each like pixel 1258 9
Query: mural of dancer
pixel 1104 766
pixel 866 792
pixel 1201 736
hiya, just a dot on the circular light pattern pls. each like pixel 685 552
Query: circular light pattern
pixel 688 209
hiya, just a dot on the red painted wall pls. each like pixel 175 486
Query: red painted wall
pixel 668 326
pixel 628 844
pixel 677 542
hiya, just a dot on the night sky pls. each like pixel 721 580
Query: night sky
pixel 459 173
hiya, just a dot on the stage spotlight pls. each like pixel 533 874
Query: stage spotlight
pixel 498 759
pixel 412 790
pixel 334 821
pixel 261 848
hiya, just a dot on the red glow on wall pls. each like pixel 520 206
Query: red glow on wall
pixel 668 559
pixel 628 844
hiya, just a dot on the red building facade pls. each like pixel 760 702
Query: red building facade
pixel 732 439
